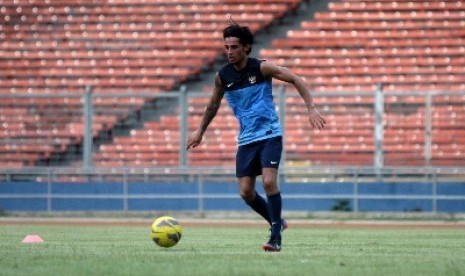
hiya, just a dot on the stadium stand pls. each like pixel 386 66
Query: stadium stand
pixel 157 143
pixel 409 46
pixel 56 47
pixel 116 46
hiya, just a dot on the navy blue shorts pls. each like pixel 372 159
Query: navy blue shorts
pixel 253 157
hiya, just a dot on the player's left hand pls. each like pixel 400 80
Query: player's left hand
pixel 316 120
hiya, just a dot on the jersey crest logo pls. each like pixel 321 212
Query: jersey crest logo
pixel 252 79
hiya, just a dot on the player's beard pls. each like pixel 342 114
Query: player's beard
pixel 232 59
pixel 237 59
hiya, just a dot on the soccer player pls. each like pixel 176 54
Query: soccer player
pixel 247 84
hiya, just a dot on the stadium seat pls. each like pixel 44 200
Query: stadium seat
pixel 355 45
pixel 55 47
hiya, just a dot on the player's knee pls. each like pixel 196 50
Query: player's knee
pixel 270 186
pixel 247 195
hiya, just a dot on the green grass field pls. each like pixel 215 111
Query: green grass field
pixel 128 250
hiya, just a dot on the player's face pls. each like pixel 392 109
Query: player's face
pixel 234 50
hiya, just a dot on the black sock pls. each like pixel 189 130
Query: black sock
pixel 259 205
pixel 274 208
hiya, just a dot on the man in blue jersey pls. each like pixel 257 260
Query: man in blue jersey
pixel 246 82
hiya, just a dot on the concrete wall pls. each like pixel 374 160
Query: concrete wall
pixel 446 197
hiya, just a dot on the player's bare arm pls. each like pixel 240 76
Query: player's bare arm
pixel 281 73
pixel 195 138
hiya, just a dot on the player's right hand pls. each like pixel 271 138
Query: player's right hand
pixel 316 120
pixel 194 139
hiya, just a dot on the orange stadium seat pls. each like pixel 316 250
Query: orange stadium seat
pixel 406 45
pixel 54 47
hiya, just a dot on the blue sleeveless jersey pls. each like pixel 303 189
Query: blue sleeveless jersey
pixel 250 96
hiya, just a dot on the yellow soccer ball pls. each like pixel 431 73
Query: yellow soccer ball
pixel 166 231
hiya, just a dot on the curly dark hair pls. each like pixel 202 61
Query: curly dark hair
pixel 242 32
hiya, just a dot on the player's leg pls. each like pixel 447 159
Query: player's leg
pixel 269 158
pixel 252 198
pixel 270 181
pixel 247 168
pixel 274 201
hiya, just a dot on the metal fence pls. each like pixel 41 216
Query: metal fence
pixel 403 142
pixel 358 189
pixel 389 128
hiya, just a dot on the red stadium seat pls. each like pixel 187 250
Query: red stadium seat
pixel 116 47
pixel 409 45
